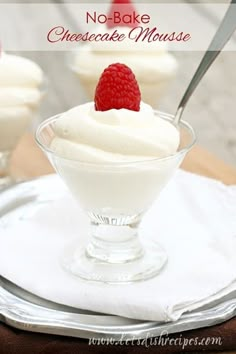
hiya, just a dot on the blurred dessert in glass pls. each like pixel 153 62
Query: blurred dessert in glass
pixel 154 67
pixel 21 83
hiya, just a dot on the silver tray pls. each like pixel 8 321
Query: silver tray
pixel 26 311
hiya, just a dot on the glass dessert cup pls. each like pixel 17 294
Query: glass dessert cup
pixel 11 131
pixel 115 196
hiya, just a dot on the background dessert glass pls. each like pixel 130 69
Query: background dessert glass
pixel 115 196
pixel 22 86
pixel 154 70
pixel 14 122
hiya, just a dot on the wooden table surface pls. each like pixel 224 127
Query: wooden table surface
pixel 28 161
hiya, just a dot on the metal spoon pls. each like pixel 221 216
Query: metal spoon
pixel 223 34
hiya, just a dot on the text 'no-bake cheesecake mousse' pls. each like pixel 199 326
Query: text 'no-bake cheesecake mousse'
pixel 116 128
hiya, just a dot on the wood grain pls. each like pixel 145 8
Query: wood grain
pixel 28 161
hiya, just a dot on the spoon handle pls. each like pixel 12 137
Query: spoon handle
pixel 223 34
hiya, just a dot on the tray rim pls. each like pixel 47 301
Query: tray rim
pixel 24 315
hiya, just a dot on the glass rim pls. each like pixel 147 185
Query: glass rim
pixel 163 115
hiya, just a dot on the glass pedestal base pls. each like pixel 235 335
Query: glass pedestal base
pixel 78 261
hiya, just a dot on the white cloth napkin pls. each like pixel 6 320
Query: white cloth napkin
pixel 194 219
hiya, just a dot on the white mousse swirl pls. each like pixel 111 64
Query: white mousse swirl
pixel 87 135
pixel 20 79
pixel 20 95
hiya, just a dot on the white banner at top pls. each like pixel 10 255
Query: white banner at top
pixel 150 27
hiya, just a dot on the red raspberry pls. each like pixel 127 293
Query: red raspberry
pixel 117 88
pixel 117 6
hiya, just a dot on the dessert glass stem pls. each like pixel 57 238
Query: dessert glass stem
pixel 114 254
pixel 114 244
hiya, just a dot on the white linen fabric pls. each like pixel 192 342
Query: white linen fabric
pixel 194 219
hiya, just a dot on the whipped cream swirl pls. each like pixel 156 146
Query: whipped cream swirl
pixel 20 79
pixel 20 95
pixel 87 135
